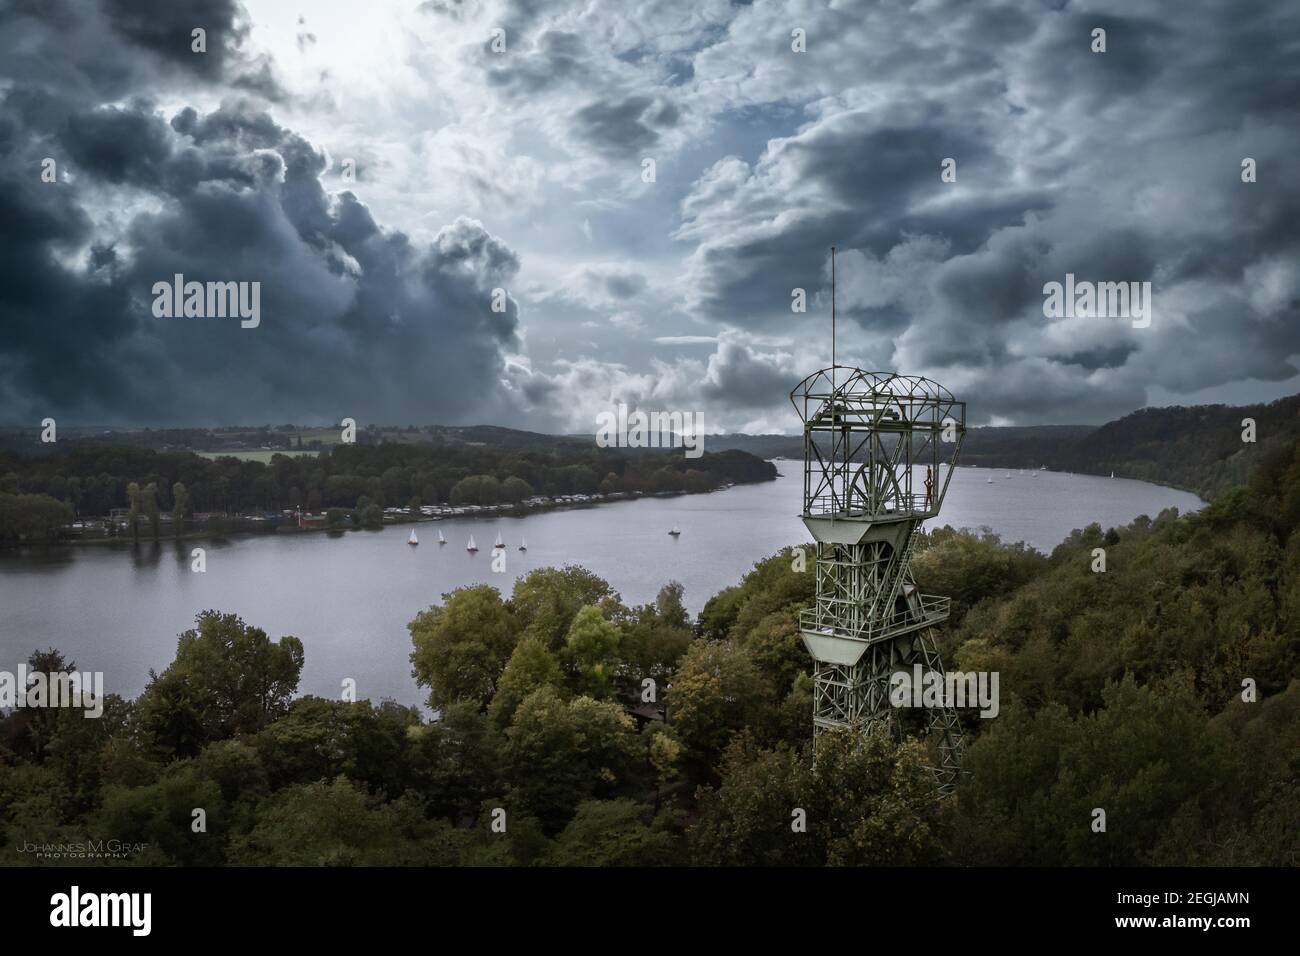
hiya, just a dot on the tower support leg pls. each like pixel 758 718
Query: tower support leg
pixel 857 696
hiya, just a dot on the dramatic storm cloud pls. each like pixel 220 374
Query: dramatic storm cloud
pixel 356 320
pixel 382 171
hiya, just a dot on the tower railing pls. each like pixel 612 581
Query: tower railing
pixel 913 505
pixel 822 621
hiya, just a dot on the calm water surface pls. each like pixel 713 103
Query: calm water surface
pixel 118 609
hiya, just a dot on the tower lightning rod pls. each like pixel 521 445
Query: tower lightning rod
pixel 832 318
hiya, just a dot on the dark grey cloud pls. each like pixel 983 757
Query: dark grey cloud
pixel 616 284
pixel 118 145
pixel 1136 58
pixel 867 184
pixel 164 27
pixel 556 57
pixel 742 376
pixel 101 50
pixel 356 319
pixel 622 127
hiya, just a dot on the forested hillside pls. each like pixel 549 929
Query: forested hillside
pixel 1199 448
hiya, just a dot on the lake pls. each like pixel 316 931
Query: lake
pixel 118 608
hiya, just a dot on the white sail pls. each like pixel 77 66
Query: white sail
pixel 500 543
pixel 412 539
pixel 471 546
pixel 523 543
pixel 441 539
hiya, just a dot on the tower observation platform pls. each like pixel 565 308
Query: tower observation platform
pixel 879 450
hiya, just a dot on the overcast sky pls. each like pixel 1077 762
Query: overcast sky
pixel 524 170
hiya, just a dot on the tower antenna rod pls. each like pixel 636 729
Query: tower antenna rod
pixel 833 366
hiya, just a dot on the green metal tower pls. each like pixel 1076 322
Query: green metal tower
pixel 879 450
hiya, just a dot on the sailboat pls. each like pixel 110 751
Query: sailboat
pixel 500 543
pixel 675 532
pixel 1112 474
pixel 523 543
pixel 1008 474
pixel 988 481
pixel 471 546
pixel 441 539
pixel 412 540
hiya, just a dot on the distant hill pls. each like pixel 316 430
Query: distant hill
pixel 1197 448
pixel 492 436
pixel 234 439
pixel 764 446
pixel 1010 447
pixel 1019 446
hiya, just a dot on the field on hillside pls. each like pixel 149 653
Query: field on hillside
pixel 255 454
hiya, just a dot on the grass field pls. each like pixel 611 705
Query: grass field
pixel 254 454
pixel 326 436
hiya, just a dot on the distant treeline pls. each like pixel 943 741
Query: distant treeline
pixel 26 440
pixel 91 480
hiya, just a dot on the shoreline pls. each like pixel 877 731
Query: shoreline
pixel 483 511
pixel 1088 474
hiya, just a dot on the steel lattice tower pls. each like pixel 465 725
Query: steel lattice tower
pixel 879 450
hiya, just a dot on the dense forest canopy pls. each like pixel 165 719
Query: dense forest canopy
pixel 1164 690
